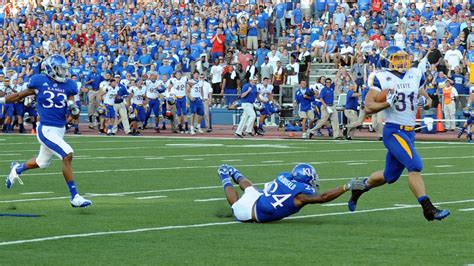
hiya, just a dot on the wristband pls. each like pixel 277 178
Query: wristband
pixel 2 100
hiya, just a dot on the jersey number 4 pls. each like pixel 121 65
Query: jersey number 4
pixel 270 188
pixel 57 101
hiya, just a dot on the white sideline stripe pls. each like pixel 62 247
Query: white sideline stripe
pixel 466 210
pixel 194 159
pixel 276 161
pixel 151 197
pixel 443 166
pixel 232 160
pixel 154 158
pixel 172 227
pixel 356 163
pixel 211 199
pixel 195 188
pixel 37 193
pixel 9 154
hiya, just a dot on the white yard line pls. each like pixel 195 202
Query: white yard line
pixel 356 163
pixel 37 193
pixel 174 227
pixel 334 204
pixel 211 199
pixel 275 161
pixel 443 166
pixel 151 197
pixel 193 159
pixel 466 210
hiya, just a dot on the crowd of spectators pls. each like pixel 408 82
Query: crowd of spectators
pixel 231 42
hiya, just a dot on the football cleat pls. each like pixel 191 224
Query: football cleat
pixel 352 204
pixel 234 173
pixel 80 202
pixel 435 214
pixel 13 176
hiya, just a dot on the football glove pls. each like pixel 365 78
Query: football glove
pixel 421 101
pixel 391 97
pixel 73 108
pixel 358 183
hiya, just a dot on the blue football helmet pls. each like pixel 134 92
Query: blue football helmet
pixel 56 67
pixel 394 58
pixel 305 173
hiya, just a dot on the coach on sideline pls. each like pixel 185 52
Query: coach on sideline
pixel 247 98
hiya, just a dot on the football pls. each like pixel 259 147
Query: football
pixel 381 96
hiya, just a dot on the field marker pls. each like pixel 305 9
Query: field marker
pixel 151 197
pixel 212 199
pixel 173 227
pixel 276 161
pixel 231 160
pixel 356 163
pixel 154 158
pixel 466 210
pixel 193 159
pixel 37 193
pixel 443 166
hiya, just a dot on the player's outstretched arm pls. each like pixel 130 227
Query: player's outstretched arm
pixel 16 97
pixel 330 195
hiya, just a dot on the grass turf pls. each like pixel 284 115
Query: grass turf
pixel 123 174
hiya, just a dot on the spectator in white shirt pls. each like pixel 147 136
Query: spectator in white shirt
pixel 453 58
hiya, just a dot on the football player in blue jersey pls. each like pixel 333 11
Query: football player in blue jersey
pixel 403 86
pixel 282 197
pixel 54 96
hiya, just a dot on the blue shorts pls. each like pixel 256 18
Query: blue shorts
pixel 18 109
pixel 181 106
pixel 154 106
pixel 31 111
pixel 401 154
pixel 469 120
pixel 8 109
pixel 196 106
pixel 267 109
pixel 109 111
pixel 140 112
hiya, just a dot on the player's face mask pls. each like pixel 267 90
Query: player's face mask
pixel 399 61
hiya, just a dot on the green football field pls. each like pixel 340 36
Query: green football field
pixel 159 201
